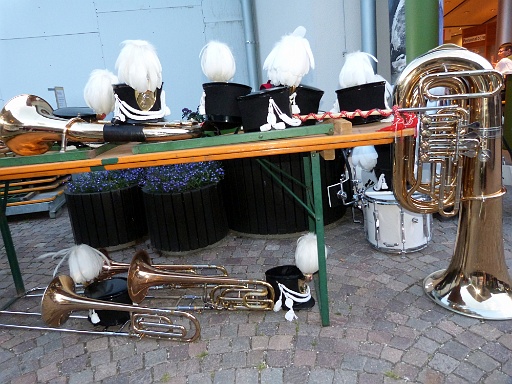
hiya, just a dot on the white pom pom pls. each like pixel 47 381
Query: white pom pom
pixel 93 316
pixel 306 253
pixel 290 59
pixel 217 61
pixel 98 92
pixel 357 70
pixel 278 305
pixel 365 156
pixel 85 263
pixel 138 66
pixel 290 315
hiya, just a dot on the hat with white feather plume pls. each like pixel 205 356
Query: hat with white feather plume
pixel 290 59
pixel 219 99
pixel 139 97
pixel 98 91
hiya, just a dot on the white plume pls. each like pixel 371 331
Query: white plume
pixel 290 59
pixel 98 92
pixel 357 70
pixel 217 61
pixel 306 254
pixel 365 157
pixel 138 66
pixel 85 262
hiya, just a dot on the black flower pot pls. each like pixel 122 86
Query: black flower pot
pixel 257 204
pixel 185 221
pixel 107 219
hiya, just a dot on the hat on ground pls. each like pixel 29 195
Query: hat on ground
pixel 114 290
pixel 289 285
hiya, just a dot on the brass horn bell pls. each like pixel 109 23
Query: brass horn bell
pixel 221 292
pixel 60 300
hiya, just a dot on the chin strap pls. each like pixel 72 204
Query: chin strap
pixel 272 119
pixel 122 110
pixel 291 297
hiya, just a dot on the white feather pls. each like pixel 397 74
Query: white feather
pixel 365 157
pixel 138 66
pixel 290 59
pixel 357 70
pixel 217 61
pixel 306 253
pixel 85 262
pixel 98 92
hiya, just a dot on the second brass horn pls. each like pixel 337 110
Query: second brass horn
pixel 456 94
pixel 60 300
pixel 29 127
pixel 221 292
pixel 114 268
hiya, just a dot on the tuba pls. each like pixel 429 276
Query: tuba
pixel 454 162
pixel 60 300
pixel 219 292
pixel 29 127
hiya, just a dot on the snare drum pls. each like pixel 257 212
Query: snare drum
pixel 390 228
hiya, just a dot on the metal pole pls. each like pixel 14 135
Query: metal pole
pixel 421 27
pixel 9 245
pixel 250 44
pixel 369 29
pixel 504 22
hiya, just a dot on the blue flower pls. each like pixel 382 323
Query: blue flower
pixel 105 181
pixel 182 177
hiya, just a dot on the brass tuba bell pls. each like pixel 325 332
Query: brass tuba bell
pixel 455 161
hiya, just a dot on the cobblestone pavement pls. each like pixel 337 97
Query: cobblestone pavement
pixel 384 329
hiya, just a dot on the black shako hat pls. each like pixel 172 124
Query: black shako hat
pixel 364 97
pixel 289 282
pixel 114 290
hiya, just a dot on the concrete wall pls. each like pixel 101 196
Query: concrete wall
pixel 59 42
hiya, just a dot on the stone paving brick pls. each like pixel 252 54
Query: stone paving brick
pixel 224 376
pixel 496 351
pixel 405 371
pixel 455 349
pixel 246 376
pixel 259 342
pixel 443 363
pixel 280 342
pixel 84 376
pixel 279 358
pixel 431 376
pixel 497 378
pixel 469 372
pixel 25 379
pixel 321 376
pixel 104 371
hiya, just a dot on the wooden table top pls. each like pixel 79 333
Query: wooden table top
pixel 330 135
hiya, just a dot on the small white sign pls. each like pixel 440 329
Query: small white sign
pixel 473 39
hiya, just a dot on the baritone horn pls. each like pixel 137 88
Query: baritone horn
pixel 29 127
pixel 220 292
pixel 113 268
pixel 455 162
pixel 60 300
